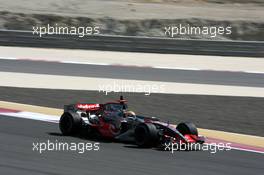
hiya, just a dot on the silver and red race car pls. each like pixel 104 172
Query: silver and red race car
pixel 113 120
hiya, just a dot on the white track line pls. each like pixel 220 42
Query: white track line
pixel 133 59
pixel 127 65
pixel 247 150
pixel 107 84
pixel 33 116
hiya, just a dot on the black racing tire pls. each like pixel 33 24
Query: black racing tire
pixel 70 123
pixel 187 128
pixel 146 135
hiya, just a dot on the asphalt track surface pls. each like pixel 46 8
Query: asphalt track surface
pixel 134 73
pixel 233 114
pixel 17 156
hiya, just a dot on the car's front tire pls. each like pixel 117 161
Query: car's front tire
pixel 187 128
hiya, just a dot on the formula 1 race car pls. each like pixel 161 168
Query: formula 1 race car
pixel 113 120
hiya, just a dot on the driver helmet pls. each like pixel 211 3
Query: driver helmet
pixel 129 114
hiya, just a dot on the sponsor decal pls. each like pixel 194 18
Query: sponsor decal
pixel 88 106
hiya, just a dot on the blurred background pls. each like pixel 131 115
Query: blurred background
pixel 139 17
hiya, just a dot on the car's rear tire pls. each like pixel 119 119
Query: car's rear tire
pixel 187 128
pixel 146 135
pixel 70 123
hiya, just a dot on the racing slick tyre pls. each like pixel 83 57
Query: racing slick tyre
pixel 69 123
pixel 146 135
pixel 187 128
